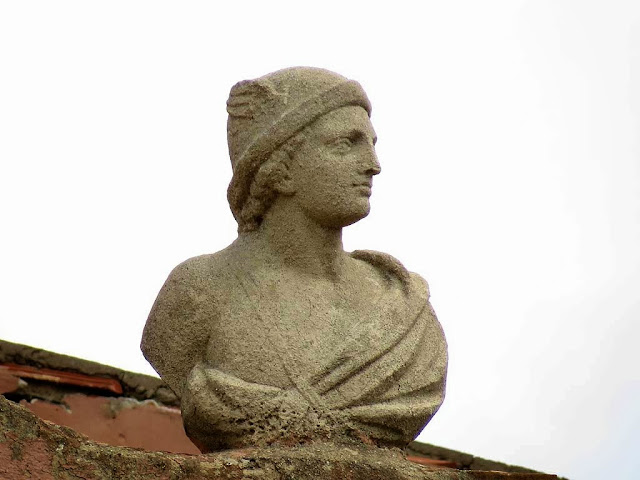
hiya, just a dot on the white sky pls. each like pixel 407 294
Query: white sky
pixel 509 138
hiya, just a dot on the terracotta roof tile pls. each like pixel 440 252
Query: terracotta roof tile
pixel 58 376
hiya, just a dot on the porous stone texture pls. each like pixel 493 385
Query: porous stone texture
pixel 104 417
pixel 125 421
pixel 31 448
pixel 283 337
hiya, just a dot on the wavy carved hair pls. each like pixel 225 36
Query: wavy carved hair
pixel 262 192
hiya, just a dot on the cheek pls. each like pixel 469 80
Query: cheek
pixel 325 174
pixel 325 178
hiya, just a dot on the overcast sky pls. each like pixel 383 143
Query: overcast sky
pixel 509 139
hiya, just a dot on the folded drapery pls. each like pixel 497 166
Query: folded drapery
pixel 382 384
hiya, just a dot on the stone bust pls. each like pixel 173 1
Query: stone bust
pixel 283 337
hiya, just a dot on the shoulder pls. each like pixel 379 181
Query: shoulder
pixel 177 329
pixel 393 270
pixel 201 270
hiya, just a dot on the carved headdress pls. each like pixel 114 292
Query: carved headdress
pixel 265 112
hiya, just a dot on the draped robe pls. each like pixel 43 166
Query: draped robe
pixel 382 384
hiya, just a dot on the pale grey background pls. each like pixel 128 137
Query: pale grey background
pixel 509 143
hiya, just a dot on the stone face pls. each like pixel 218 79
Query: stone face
pixel 283 337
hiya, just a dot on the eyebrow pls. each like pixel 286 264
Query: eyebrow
pixel 358 133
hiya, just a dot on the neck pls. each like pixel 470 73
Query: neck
pixel 289 237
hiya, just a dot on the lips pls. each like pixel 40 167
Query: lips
pixel 364 183
pixel 364 187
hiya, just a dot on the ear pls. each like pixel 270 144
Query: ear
pixel 282 179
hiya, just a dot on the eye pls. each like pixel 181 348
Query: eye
pixel 342 145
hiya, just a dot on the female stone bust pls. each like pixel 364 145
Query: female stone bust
pixel 283 336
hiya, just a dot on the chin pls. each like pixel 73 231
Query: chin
pixel 355 216
pixel 345 216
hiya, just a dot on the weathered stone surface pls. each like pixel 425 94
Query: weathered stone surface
pixel 283 337
pixel 107 419
pixel 463 461
pixel 31 448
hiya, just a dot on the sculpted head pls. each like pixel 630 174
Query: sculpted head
pixel 283 338
pixel 304 133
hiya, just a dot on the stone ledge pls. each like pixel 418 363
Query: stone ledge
pixel 32 448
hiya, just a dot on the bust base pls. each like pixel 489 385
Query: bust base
pixel 32 448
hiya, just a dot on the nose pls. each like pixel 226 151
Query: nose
pixel 373 165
